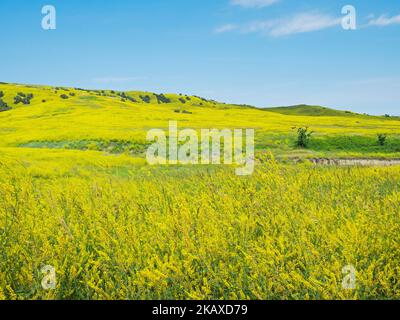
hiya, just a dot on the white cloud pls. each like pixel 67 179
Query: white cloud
pixel 384 21
pixel 226 28
pixel 253 3
pixel 301 23
pixel 298 23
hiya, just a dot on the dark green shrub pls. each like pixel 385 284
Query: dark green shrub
pixel 382 139
pixel 23 98
pixel 17 99
pixel 64 96
pixel 131 99
pixel 20 99
pixel 1 94
pixel 303 137
pixel 161 98
pixel 145 99
pixel 4 106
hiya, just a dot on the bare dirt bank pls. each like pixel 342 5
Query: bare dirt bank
pixel 356 162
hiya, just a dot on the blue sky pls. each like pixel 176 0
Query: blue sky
pixel 259 52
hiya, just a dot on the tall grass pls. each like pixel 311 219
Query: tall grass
pixel 157 233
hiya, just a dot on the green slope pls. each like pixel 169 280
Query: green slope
pixel 306 110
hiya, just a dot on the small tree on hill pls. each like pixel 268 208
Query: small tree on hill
pixel 382 139
pixel 303 137
pixel 161 98
pixel 17 99
pixel 145 99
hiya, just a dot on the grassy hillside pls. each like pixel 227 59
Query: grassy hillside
pixel 314 111
pixel 118 121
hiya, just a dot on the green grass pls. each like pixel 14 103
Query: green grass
pixel 315 111
pixel 110 146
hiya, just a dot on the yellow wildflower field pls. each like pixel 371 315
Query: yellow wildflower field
pixel 77 194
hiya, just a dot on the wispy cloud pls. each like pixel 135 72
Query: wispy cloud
pixel 226 28
pixel 384 20
pixel 298 23
pixel 105 80
pixel 253 3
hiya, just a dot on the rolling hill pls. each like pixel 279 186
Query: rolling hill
pixel 48 117
pixel 314 111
